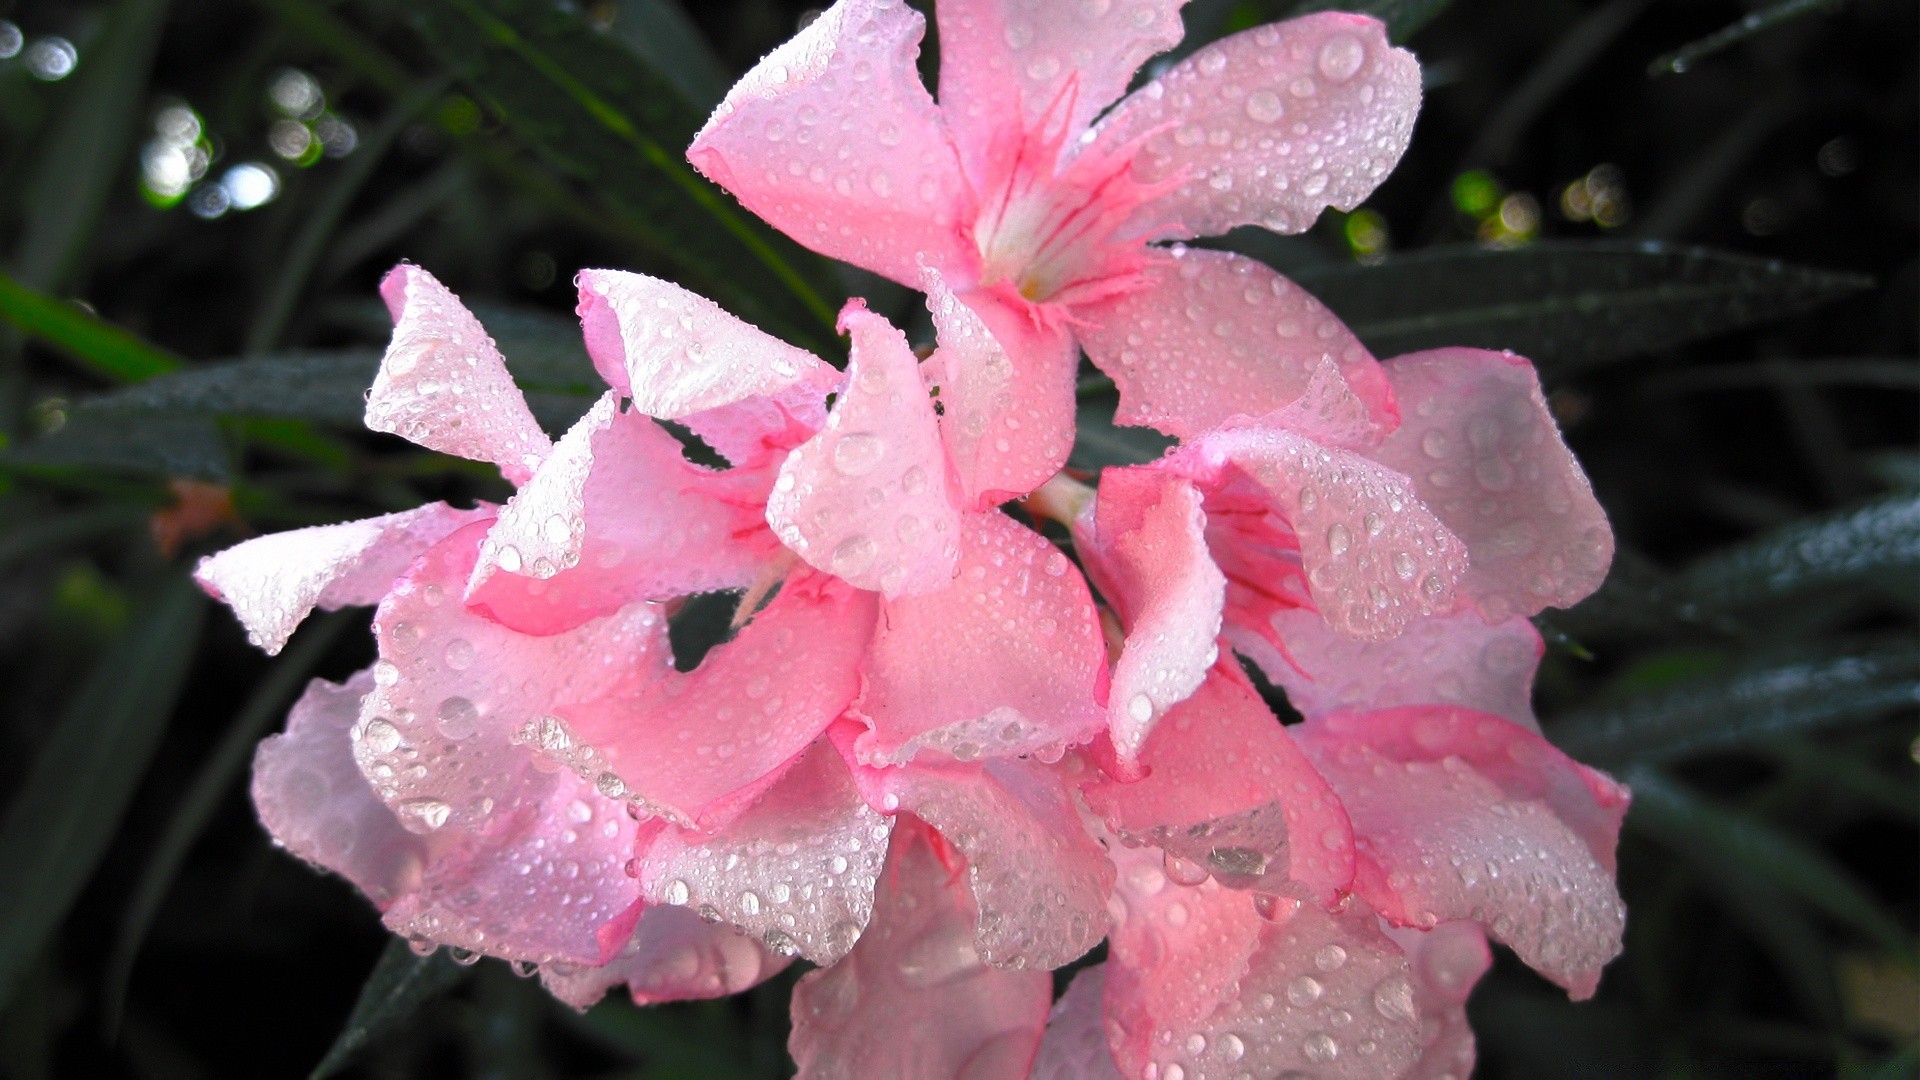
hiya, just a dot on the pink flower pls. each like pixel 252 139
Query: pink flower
pixel 525 773
pixel 1025 197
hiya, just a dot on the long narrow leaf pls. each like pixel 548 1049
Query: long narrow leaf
pixel 1683 58
pixel 398 986
pixel 57 827
pixel 101 346
pixel 1880 539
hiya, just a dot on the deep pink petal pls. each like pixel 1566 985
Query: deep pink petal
pixel 1455 659
pixel 615 515
pixel 758 431
pixel 1447 961
pixel 1375 557
pixel 796 870
pixel 1228 791
pixel 912 1001
pixel 1463 815
pixel 1075 1045
pixel 1210 335
pixel 1145 546
pixel 1007 64
pixel 1272 125
pixel 834 140
pixel 314 801
pixel 1006 392
pixel 676 353
pixel 698 747
pixel 868 499
pixel 1006 660
pixel 443 384
pixel 1198 979
pixel 272 582
pixel 673 955
pixel 1039 878
pixel 1485 454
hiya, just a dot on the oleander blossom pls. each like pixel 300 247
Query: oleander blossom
pixel 1022 198
pixel 527 773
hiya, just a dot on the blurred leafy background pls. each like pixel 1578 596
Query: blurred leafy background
pixel 1698 216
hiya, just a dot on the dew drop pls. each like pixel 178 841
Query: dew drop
pixel 1263 106
pixel 1341 57
pixel 858 454
pixel 457 718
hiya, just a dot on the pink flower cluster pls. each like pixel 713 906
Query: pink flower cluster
pixel 944 751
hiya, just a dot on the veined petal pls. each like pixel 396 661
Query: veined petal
pixel 915 971
pixel 834 140
pixel 1006 660
pixel 868 498
pixel 443 385
pixel 1271 125
pixel 1486 456
pixel 1210 335
pixel 673 955
pixel 272 582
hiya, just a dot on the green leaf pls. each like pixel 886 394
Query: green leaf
pixel 150 443
pixel 662 34
pixel 604 117
pixel 1878 540
pixel 268 703
pixel 1728 709
pixel 545 352
pixel 400 983
pixel 24 540
pixel 1098 442
pixel 57 827
pixel 328 386
pixel 100 345
pixel 1569 306
pixel 1403 17
pixel 1700 832
pixel 1683 58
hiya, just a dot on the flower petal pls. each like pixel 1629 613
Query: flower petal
pixel 617 515
pixel 867 499
pixel 1210 335
pixel 272 582
pixel 676 353
pixel 1447 961
pixel 1196 978
pixel 1006 391
pixel 1012 63
pixel 1006 660
pixel 698 747
pixel 1226 789
pixel 795 870
pixel 314 801
pixel 834 140
pixel 1463 815
pixel 673 955
pixel 1145 546
pixel 443 385
pixel 1272 125
pixel 1075 1045
pixel 912 1000
pixel 1455 659
pixel 1485 454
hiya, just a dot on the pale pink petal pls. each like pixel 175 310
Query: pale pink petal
pixel 868 499
pixel 506 832
pixel 272 582
pixel 312 798
pixel 676 353
pixel 1145 546
pixel 1447 961
pixel 1197 978
pixel 1006 392
pixel 615 515
pixel 795 870
pixel 443 384
pixel 1272 125
pixel 698 747
pixel 1006 660
pixel 1227 790
pixel 834 140
pixel 1455 659
pixel 1075 1045
pixel 912 1001
pixel 673 955
pixel 1210 335
pixel 1463 815
pixel 1012 64
pixel 1375 557
pixel 758 431
pixel 1039 878
pixel 1485 454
